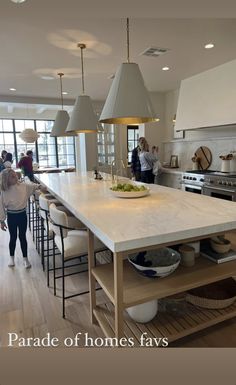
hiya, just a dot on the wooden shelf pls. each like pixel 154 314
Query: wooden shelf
pixel 170 325
pixel 139 289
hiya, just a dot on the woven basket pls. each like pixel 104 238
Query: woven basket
pixel 225 288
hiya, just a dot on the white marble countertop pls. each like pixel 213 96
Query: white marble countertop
pixel 166 215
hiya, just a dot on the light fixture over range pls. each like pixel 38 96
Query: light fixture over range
pixel 83 118
pixel 128 100
pixel 62 118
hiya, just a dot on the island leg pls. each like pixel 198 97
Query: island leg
pixel 118 294
pixel 92 281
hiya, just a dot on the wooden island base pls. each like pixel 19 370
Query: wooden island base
pixel 138 289
pixel 169 325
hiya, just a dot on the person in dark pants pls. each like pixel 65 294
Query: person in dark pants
pixel 147 160
pixel 13 201
pixel 26 164
pixel 17 220
pixel 135 163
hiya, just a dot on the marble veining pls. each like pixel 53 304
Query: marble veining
pixel 166 215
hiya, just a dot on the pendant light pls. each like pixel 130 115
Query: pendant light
pixel 83 118
pixel 128 100
pixel 29 135
pixel 62 117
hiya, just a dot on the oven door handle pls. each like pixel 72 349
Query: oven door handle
pixel 217 188
pixel 193 186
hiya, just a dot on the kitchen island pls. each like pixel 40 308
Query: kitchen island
pixel 165 217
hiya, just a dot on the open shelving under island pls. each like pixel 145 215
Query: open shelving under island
pixel 166 217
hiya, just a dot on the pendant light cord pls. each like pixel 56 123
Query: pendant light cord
pixel 127 28
pixel 82 67
pixel 62 102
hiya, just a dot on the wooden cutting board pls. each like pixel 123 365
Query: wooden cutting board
pixel 205 156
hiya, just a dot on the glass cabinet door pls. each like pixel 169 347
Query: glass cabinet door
pixel 106 145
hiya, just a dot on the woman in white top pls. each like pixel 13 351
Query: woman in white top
pixel 147 160
pixel 13 200
pixel 8 160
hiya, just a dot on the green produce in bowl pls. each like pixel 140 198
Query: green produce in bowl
pixel 128 187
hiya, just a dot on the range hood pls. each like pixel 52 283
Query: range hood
pixel 208 99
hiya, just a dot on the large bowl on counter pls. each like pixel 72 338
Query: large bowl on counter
pixel 156 263
pixel 129 190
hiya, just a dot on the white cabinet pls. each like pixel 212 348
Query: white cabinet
pixel 170 179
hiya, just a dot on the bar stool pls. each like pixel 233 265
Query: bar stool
pixel 46 232
pixel 72 244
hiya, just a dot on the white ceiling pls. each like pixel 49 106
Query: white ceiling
pixel 39 37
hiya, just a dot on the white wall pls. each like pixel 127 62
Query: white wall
pixel 171 102
pixel 155 132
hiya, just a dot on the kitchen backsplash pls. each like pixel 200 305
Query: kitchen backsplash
pixel 186 149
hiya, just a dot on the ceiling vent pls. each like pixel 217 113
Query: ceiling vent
pixel 154 52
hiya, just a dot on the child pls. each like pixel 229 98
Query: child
pixel 13 201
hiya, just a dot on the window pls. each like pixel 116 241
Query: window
pixel 48 151
pixel 132 140
pixel 66 152
pixel 7 136
pixel 47 154
pixel 106 145
pixel 21 146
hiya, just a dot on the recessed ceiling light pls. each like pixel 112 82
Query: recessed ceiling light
pixel 12 89
pixel 65 93
pixel 165 68
pixel 18 1
pixel 209 45
pixel 47 77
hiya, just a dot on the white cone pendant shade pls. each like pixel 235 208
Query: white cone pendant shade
pixel 128 100
pixel 83 117
pixel 60 124
pixel 62 117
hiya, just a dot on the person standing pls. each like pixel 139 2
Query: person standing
pixel 26 164
pixel 13 201
pixel 8 160
pixel 3 154
pixel 147 160
pixel 135 162
pixel 2 159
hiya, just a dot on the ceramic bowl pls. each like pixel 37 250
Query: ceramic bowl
pixel 156 263
pixel 144 312
pixel 130 194
pixel 220 248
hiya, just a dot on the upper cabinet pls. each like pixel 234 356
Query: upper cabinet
pixel 208 99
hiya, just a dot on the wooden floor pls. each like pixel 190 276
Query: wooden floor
pixel 29 308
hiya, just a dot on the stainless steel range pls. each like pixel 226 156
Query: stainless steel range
pixel 220 185
pixel 211 183
pixel 193 181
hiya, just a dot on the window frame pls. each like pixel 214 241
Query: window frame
pixel 134 128
pixel 14 132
